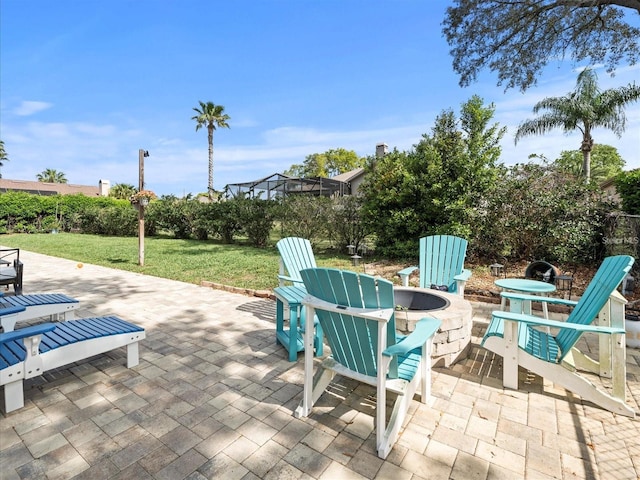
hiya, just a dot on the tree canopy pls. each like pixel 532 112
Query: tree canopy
pixel 517 38
pixel 436 187
pixel 328 164
pixel 606 163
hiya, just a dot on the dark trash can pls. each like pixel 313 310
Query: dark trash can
pixel 542 271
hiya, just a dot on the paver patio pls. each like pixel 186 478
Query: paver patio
pixel 213 397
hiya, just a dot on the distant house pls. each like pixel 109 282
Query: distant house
pixel 46 188
pixel 353 178
pixel 609 189
pixel 280 184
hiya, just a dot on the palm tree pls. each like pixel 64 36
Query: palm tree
pixel 3 156
pixel 211 116
pixel 51 176
pixel 584 109
pixel 122 190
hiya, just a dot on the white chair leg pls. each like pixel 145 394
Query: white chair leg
pixel 510 359
pixel 13 396
pixel 132 355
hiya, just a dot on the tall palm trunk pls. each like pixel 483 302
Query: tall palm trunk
pixel 586 147
pixel 210 189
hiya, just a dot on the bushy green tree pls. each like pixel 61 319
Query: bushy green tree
pixel 328 164
pixel 606 163
pixel 628 187
pixel 434 188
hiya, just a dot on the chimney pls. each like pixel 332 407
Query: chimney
pixel 103 187
pixel 381 149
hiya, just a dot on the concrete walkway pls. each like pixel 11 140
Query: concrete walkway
pixel 213 397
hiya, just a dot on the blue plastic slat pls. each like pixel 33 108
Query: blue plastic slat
pixel 39 299
pixel 11 353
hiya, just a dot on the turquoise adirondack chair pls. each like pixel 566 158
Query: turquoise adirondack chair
pixel 516 336
pixel 356 312
pixel 296 254
pixel 441 264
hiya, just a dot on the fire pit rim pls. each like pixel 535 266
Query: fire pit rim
pixel 420 291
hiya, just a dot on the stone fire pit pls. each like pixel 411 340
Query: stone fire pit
pixel 453 340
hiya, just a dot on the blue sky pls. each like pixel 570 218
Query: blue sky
pixel 84 84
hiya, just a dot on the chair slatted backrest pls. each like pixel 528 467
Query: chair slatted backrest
pixel 605 281
pixel 353 340
pixel 441 258
pixel 296 254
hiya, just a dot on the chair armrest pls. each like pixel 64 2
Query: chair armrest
pixel 404 275
pixel 543 322
pixel 425 329
pixel 289 279
pixel 538 298
pixel 27 332
pixel 464 276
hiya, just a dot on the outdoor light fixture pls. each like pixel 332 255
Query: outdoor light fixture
pixel 497 269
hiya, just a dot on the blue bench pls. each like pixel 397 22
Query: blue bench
pixel 31 351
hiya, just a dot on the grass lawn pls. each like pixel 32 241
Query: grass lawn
pixel 189 261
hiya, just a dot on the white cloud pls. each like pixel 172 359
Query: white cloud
pixel 27 108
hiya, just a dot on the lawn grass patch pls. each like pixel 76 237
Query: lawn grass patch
pixel 191 261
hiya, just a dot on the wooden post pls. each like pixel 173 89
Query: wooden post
pixel 141 155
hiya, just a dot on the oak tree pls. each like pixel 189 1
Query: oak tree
pixel 517 38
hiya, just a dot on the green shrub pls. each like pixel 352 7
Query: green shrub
pixel 347 222
pixel 257 217
pixel 305 216
pixel 538 212
pixel 224 218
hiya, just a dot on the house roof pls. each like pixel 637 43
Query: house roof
pixel 349 176
pixel 46 188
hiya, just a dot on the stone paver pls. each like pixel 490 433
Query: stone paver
pixel 213 397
